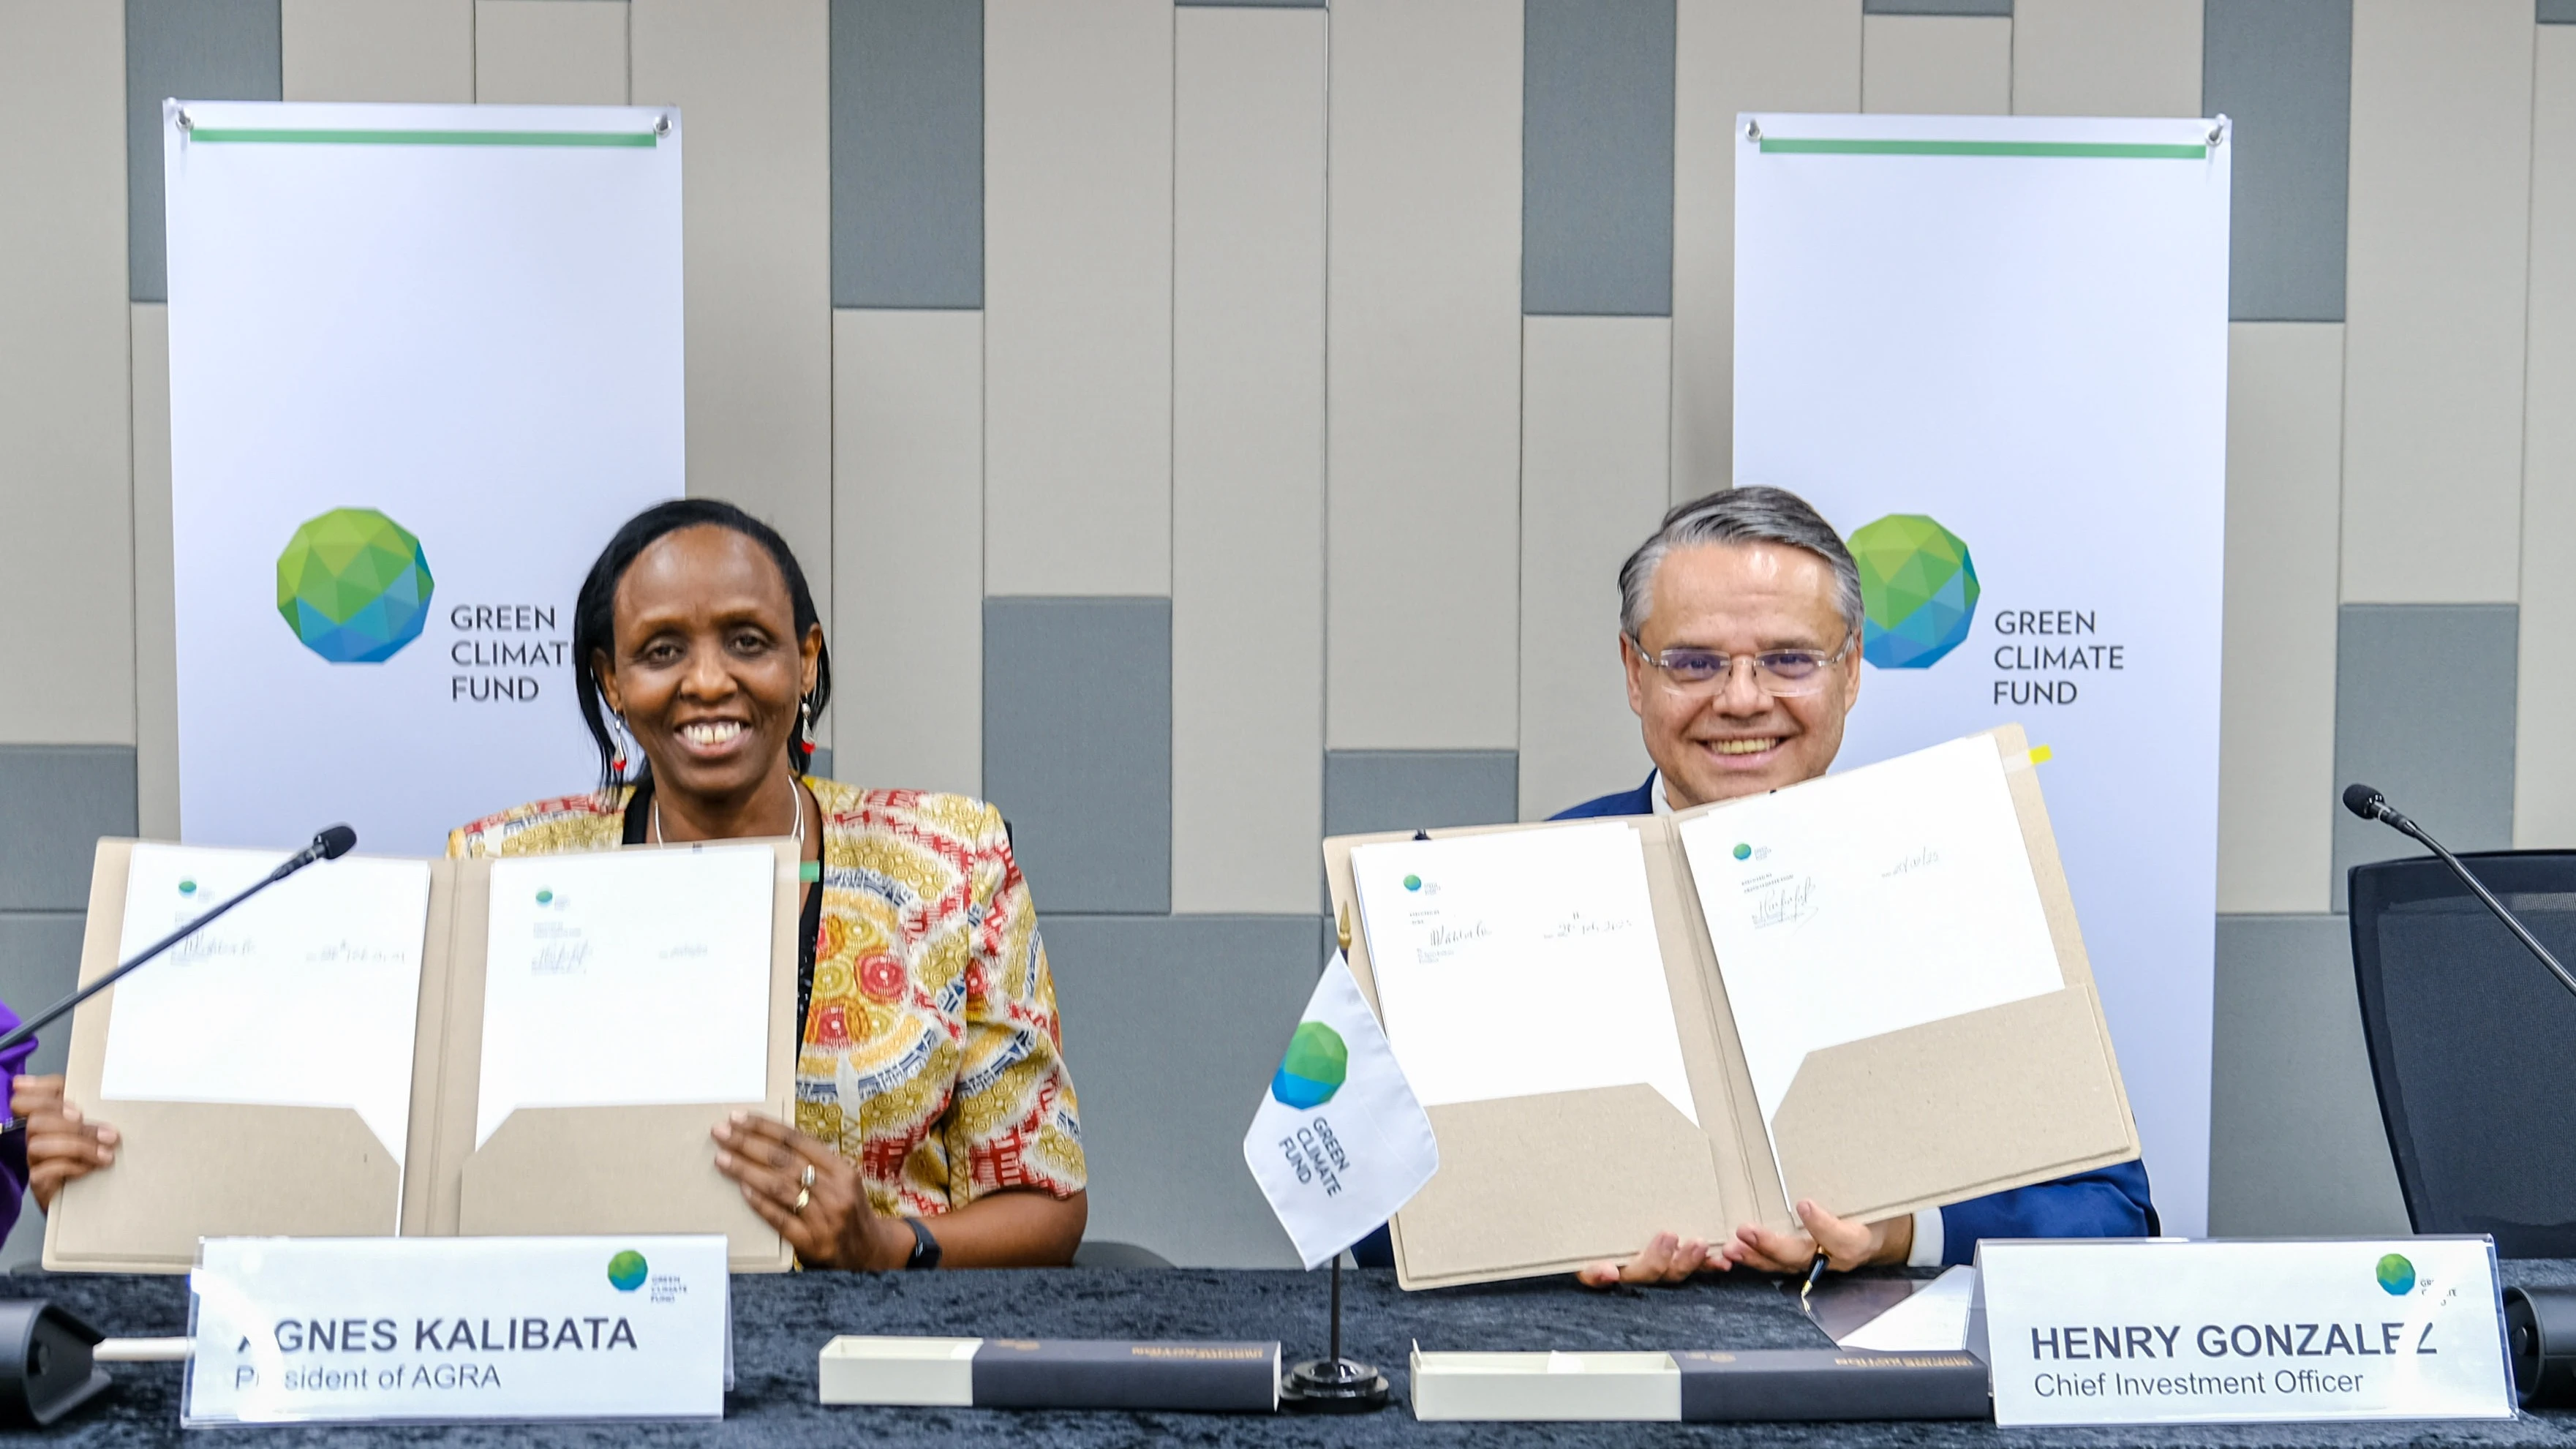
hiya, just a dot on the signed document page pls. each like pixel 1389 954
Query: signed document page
pixel 1517 963
pixel 622 978
pixel 306 995
pixel 1867 902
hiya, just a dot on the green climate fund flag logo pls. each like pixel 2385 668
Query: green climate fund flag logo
pixel 354 586
pixel 1316 1065
pixel 626 1271
pixel 1918 590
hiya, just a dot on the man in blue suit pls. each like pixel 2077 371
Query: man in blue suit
pixel 1740 626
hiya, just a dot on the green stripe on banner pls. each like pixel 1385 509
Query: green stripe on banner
pixel 2109 150
pixel 428 138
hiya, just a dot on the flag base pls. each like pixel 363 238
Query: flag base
pixel 1332 1386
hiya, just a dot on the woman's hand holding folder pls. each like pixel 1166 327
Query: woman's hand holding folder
pixel 61 1143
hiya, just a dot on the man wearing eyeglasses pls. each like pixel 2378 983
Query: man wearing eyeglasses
pixel 1740 623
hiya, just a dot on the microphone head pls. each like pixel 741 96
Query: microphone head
pixel 336 841
pixel 2363 801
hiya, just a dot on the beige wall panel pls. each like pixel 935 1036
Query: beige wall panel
pixel 2433 304
pixel 1731 56
pixel 67 553
pixel 1593 461
pixel 1423 551
pixel 1247 459
pixel 1936 65
pixel 550 52
pixel 377 50
pixel 2277 696
pixel 753 86
pixel 1078 296
pixel 156 621
pixel 907 627
pixel 2544 773
pixel 2106 57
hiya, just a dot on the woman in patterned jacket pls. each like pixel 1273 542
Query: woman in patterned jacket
pixel 935 1122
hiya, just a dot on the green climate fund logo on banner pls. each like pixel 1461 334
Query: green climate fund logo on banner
pixel 2396 1275
pixel 626 1271
pixel 1316 1065
pixel 1918 590
pixel 354 586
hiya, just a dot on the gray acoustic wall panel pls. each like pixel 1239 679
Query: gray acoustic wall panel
pixel 1936 7
pixel 1371 790
pixel 1254 4
pixel 2281 72
pixel 55 802
pixel 39 965
pixel 1597 157
pixel 1172 1027
pixel 1078 747
pixel 2557 12
pixel 908 153
pixel 189 50
pixel 2424 710
pixel 2296 1148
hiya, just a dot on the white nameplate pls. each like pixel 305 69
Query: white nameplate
pixel 2146 1332
pixel 290 1330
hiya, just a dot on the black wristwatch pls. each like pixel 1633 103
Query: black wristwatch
pixel 925 1248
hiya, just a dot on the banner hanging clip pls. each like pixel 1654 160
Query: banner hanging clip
pixel 2218 132
pixel 1753 131
pixel 187 124
pixel 662 124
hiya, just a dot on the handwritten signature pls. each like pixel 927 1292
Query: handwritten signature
pixel 1923 858
pixel 1785 903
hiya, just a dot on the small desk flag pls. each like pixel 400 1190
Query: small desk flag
pixel 1339 1142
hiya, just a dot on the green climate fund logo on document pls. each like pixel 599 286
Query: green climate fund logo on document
pixel 354 586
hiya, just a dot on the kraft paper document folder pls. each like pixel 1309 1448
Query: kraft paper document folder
pixel 187 1169
pixel 1579 1110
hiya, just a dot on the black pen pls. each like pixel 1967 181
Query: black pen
pixel 1815 1275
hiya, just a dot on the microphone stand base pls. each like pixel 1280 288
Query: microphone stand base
pixel 1332 1386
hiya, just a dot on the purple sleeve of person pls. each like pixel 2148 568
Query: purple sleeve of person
pixel 13 1147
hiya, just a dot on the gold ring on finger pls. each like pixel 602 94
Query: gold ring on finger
pixel 806 1178
pixel 803 1196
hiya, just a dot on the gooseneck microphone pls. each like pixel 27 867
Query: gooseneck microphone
pixel 2369 804
pixel 329 844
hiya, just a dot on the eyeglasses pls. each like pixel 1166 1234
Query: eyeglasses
pixel 1777 671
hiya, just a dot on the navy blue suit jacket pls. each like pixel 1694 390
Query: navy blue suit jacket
pixel 2110 1202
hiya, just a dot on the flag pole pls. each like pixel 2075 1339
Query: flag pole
pixel 1334 1385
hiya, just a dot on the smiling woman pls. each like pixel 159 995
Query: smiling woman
pixel 931 1086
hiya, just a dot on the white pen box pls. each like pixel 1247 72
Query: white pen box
pixel 1202 1376
pixel 1537 1386
pixel 927 1372
pixel 1700 1386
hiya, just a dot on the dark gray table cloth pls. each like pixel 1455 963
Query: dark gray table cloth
pixel 781 1323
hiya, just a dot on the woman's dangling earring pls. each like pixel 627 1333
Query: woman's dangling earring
pixel 805 727
pixel 617 761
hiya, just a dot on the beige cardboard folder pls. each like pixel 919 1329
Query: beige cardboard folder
pixel 1877 1128
pixel 186 1170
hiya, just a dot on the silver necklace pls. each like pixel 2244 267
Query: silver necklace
pixel 797 834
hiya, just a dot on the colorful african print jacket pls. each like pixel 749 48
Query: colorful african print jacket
pixel 932 1056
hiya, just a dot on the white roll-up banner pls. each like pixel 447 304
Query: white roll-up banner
pixel 1993 351
pixel 423 361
